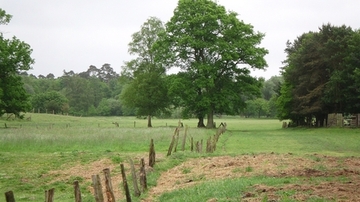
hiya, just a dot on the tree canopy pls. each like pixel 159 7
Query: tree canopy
pixel 319 75
pixel 215 51
pixel 146 90
pixel 15 57
pixel 51 101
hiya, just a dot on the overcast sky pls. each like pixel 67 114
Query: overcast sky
pixel 74 34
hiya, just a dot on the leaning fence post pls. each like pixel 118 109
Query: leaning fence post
pixel 171 146
pixel 209 145
pixel 109 190
pixel 134 178
pixel 184 140
pixel 125 184
pixel 176 140
pixel 97 189
pixel 143 182
pixel 9 196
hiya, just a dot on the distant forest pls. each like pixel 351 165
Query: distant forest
pixel 96 92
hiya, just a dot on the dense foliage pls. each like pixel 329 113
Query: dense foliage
pixel 215 52
pixel 15 57
pixel 89 93
pixel 320 75
pixel 146 89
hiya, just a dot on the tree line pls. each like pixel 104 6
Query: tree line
pixel 87 94
pixel 94 92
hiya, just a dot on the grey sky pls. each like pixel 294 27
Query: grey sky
pixel 74 34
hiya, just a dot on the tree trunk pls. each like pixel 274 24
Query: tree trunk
pixel 201 122
pixel 320 120
pixel 149 121
pixel 210 120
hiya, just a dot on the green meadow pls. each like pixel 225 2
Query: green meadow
pixel 30 149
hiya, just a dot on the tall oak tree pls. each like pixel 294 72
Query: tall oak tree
pixel 215 52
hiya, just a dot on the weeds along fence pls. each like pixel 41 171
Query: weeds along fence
pixel 210 142
pixel 100 190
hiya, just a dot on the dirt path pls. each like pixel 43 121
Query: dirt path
pixel 193 171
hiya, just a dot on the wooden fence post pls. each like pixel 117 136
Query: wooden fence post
pixel 209 145
pixel 77 192
pixel 184 139
pixel 171 145
pixel 197 147
pixel 126 187
pixel 97 189
pixel 109 190
pixel 143 182
pixel 176 140
pixel 192 144
pixel 9 196
pixel 214 142
pixel 134 177
pixel 49 195
pixel 152 154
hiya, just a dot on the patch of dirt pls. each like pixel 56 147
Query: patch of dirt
pixel 85 172
pixel 196 171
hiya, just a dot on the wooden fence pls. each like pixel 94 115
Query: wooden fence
pixel 110 197
pixel 98 188
pixel 210 143
pixel 96 183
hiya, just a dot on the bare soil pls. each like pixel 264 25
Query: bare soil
pixel 196 171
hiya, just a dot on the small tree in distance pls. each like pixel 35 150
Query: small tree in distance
pixel 146 89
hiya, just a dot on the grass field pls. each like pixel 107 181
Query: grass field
pixel 31 152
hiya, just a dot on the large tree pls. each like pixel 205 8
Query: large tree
pixel 352 66
pixel 146 90
pixel 318 75
pixel 14 58
pixel 215 51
